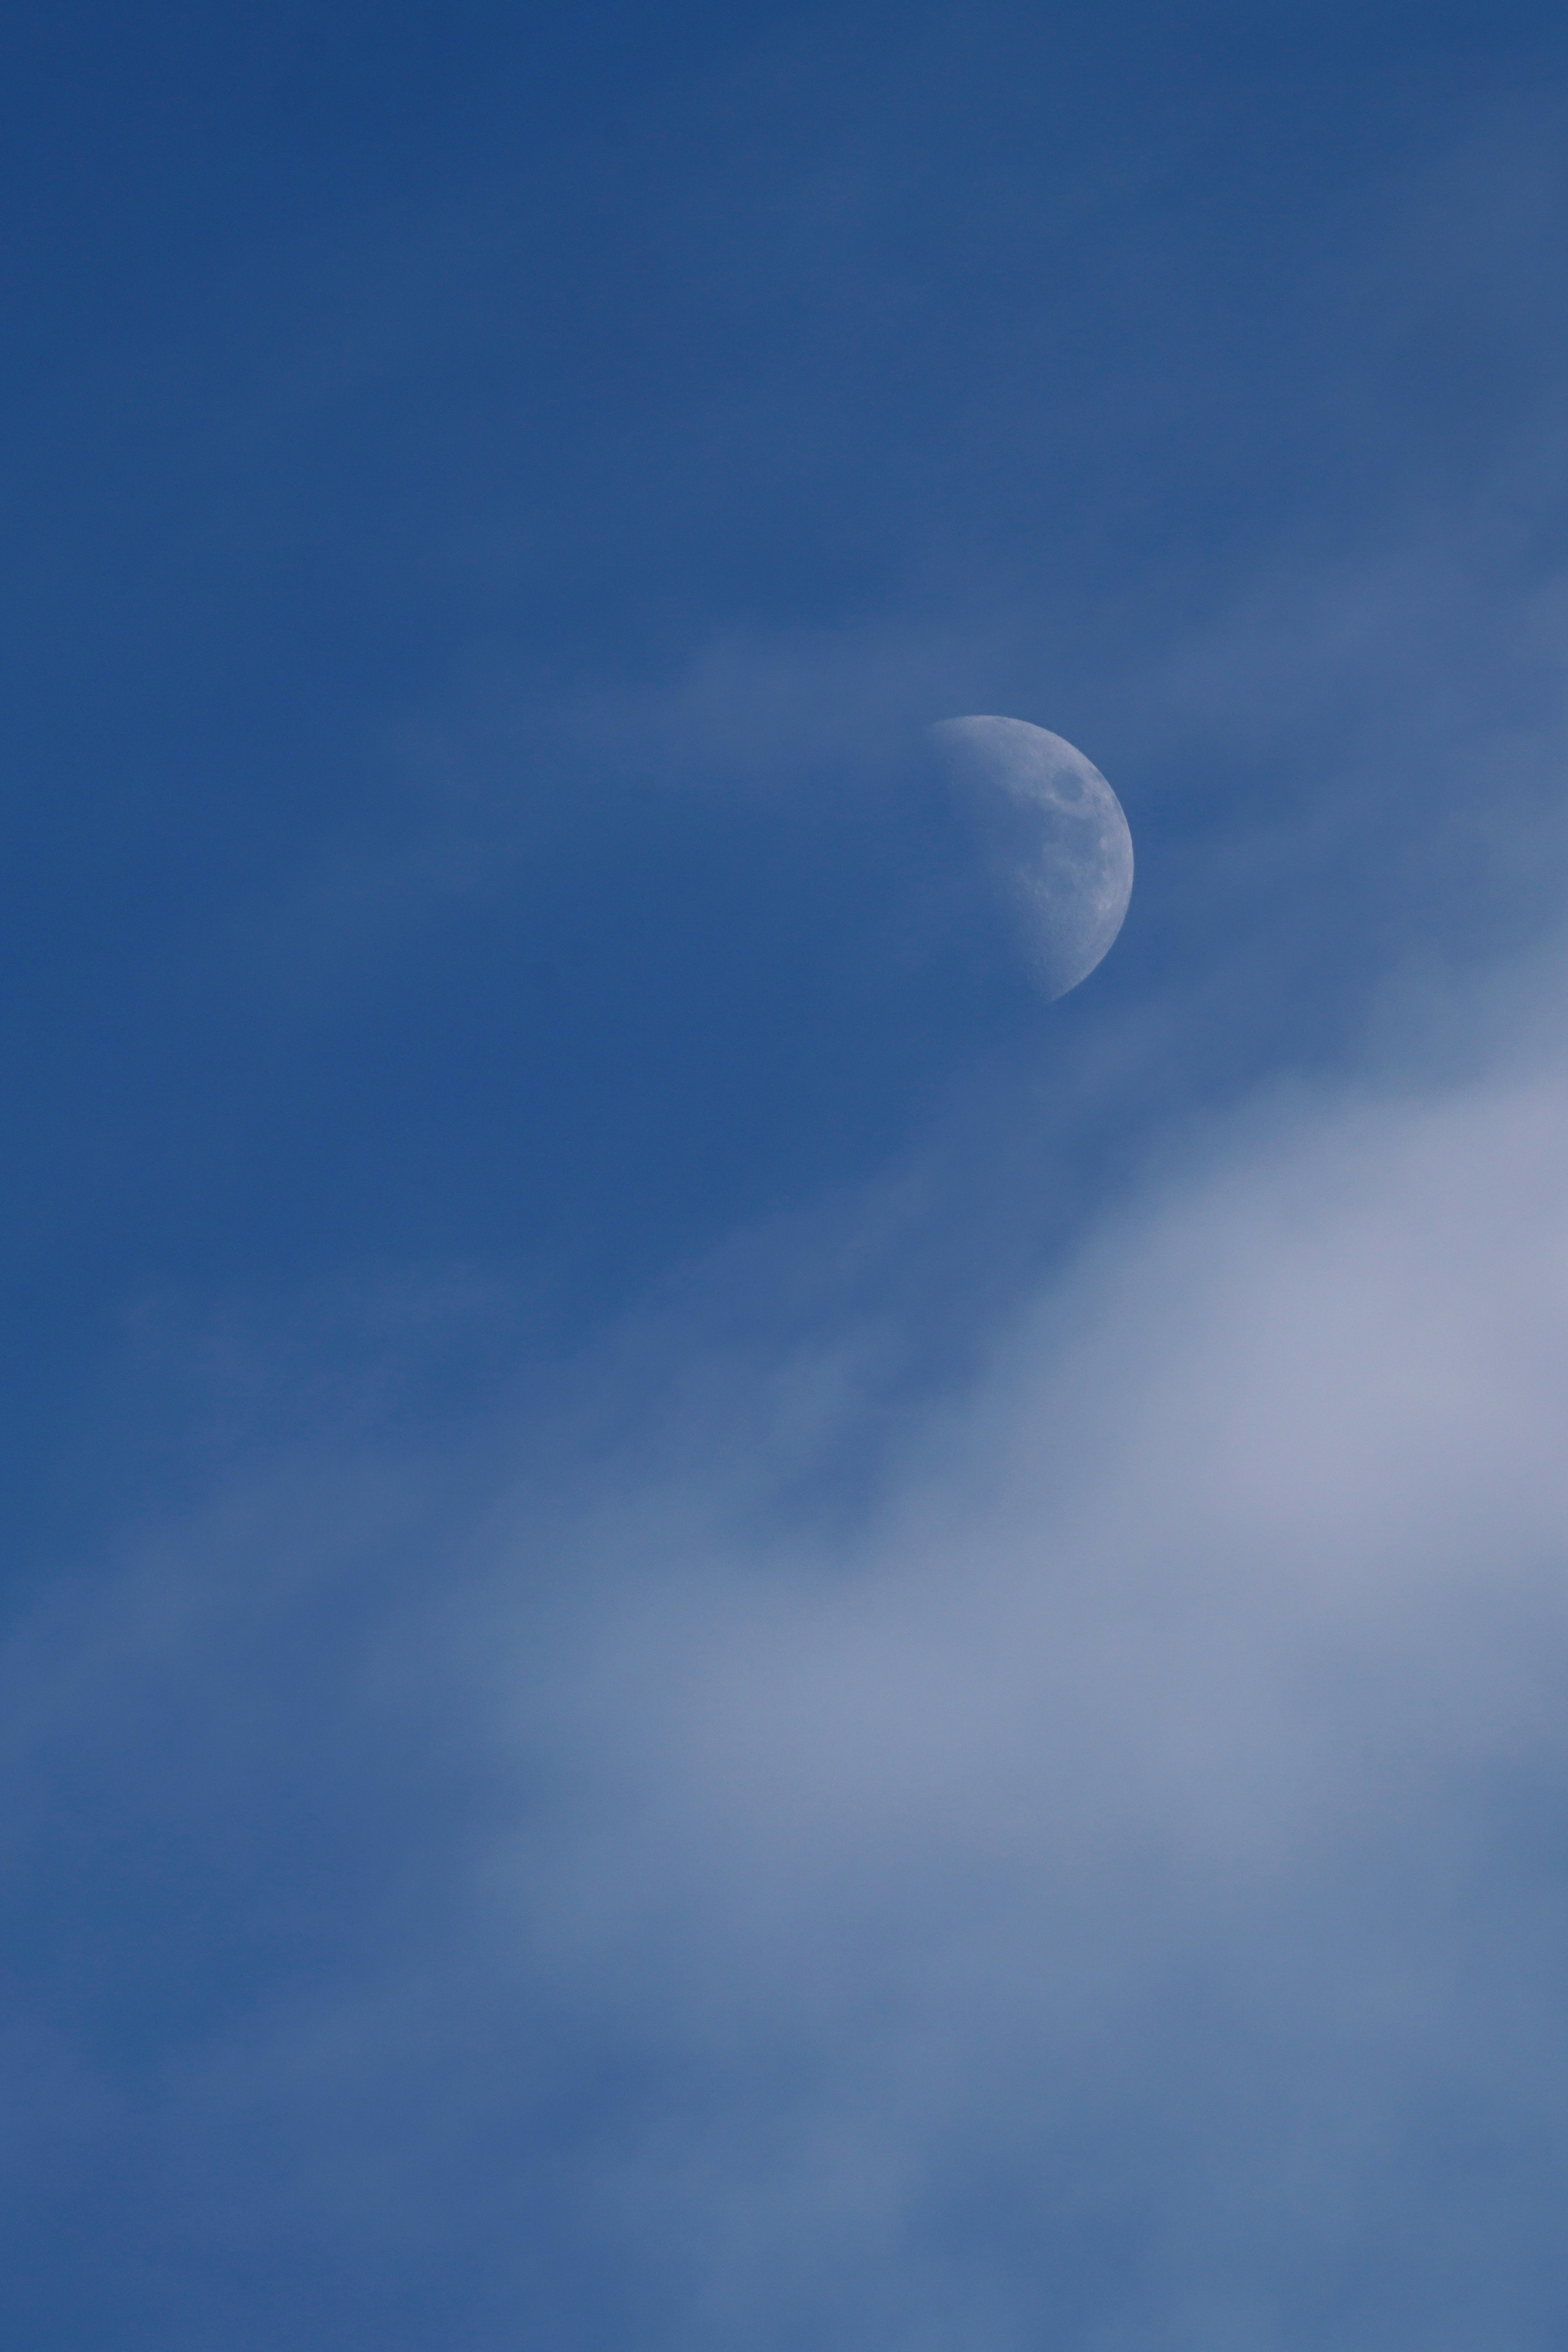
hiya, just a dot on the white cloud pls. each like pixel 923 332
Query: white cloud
pixel 1129 1828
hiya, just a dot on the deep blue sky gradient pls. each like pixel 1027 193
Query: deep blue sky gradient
pixel 371 370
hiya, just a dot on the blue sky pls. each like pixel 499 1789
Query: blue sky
pixel 715 1632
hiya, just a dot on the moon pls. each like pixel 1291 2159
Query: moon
pixel 1057 842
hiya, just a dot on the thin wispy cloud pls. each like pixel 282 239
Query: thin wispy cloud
pixel 1143 1789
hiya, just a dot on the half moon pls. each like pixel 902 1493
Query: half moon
pixel 1057 841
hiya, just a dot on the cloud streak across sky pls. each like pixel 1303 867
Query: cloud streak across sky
pixel 1104 1879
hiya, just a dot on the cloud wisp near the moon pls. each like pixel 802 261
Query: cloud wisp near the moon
pixel 1055 839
